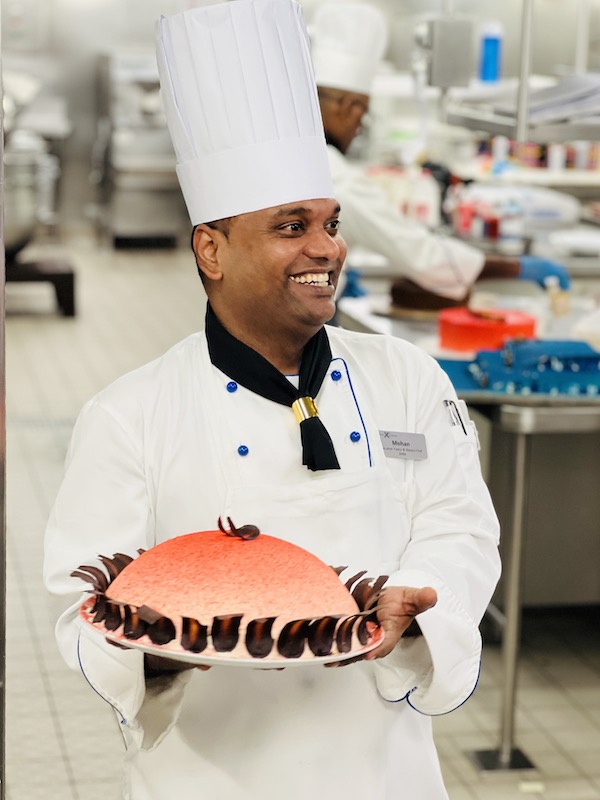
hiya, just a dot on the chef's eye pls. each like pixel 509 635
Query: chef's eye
pixel 292 227
pixel 333 226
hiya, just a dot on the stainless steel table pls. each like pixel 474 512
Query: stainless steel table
pixel 524 421
pixel 522 417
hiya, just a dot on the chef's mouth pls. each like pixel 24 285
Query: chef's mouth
pixel 312 278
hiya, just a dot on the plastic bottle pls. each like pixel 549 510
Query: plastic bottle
pixel 512 222
pixel 490 53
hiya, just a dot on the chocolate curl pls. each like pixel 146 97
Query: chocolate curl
pixel 162 631
pixel 225 632
pixel 113 616
pixel 366 592
pixel 194 635
pixel 134 626
pixel 292 638
pixel 343 637
pixel 351 581
pixel 93 575
pixel 259 641
pixel 246 532
pixel 149 615
pixel 99 609
pixel 116 564
pixel 321 633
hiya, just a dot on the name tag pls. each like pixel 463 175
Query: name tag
pixel 411 446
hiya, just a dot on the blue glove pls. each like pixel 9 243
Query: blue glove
pixel 353 287
pixel 536 269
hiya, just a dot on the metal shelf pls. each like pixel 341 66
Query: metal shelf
pixel 519 127
pixel 496 124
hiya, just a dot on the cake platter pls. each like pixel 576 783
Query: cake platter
pixel 215 659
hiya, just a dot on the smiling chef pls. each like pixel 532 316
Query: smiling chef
pixel 352 446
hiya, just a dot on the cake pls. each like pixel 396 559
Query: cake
pixel 409 296
pixel 465 329
pixel 233 592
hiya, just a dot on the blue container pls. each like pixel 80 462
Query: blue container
pixel 490 55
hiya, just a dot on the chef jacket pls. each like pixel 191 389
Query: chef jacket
pixel 170 447
pixel 439 264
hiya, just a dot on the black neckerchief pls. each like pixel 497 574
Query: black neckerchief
pixel 248 368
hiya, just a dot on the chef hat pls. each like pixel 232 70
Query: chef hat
pixel 348 43
pixel 242 108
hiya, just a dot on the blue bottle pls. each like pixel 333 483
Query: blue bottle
pixel 490 53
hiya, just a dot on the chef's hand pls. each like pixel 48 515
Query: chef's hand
pixel 397 608
pixel 536 269
pixel 156 666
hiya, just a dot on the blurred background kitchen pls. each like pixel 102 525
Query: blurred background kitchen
pixel 100 278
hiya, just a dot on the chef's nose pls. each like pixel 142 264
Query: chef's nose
pixel 321 244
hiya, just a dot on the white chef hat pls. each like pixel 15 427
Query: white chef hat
pixel 242 109
pixel 348 43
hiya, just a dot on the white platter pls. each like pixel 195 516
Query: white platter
pixel 226 659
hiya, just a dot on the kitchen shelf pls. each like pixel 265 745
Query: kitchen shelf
pixel 518 126
pixel 496 124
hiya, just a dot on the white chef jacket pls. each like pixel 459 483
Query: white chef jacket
pixel 439 264
pixel 157 454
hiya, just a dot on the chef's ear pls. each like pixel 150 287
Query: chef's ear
pixel 206 242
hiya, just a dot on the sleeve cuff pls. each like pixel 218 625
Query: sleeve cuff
pixel 148 709
pixel 438 671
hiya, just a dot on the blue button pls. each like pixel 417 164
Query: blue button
pixel 355 436
pixel 336 375
pixel 232 386
pixel 243 450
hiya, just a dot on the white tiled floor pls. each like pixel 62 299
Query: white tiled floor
pixel 62 741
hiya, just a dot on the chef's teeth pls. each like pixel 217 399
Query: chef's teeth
pixel 320 278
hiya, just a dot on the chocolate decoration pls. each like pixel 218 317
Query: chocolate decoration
pixel 351 581
pixel 343 638
pixel 113 616
pixel 162 631
pixel 259 641
pixel 367 594
pixel 362 631
pixel 338 570
pixel 362 593
pixel 149 615
pixel 246 532
pixel 134 626
pixel 194 635
pixel 225 632
pixel 321 633
pixel 292 638
pixel 93 575
pixel 99 609
pixel 116 564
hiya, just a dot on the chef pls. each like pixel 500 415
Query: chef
pixel 348 43
pixel 353 446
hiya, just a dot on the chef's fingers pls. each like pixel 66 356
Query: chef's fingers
pixel 345 662
pixel 116 644
pixel 397 608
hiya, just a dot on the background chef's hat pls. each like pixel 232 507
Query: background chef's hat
pixel 348 43
pixel 240 98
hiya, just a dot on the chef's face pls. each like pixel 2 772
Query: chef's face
pixel 343 115
pixel 278 269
